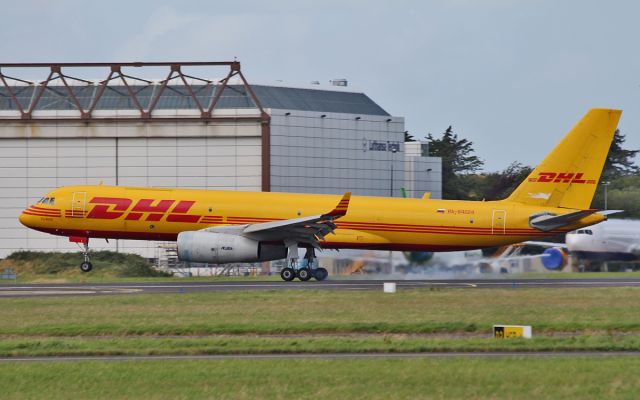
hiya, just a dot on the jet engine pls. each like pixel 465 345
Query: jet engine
pixel 554 259
pixel 221 248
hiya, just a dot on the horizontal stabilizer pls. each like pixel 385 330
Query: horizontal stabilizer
pixel 547 222
pixel 609 212
pixel 545 244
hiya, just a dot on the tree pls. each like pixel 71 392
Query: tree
pixel 496 185
pixel 408 137
pixel 619 161
pixel 620 178
pixel 458 160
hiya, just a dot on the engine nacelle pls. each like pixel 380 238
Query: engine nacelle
pixel 221 248
pixel 554 259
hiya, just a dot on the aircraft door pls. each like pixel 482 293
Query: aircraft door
pixel 498 222
pixel 78 204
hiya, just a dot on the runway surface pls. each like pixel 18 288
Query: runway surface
pixel 80 289
pixel 327 356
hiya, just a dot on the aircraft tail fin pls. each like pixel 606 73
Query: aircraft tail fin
pixel 569 174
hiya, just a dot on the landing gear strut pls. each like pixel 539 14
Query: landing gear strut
pixel 83 242
pixel 303 272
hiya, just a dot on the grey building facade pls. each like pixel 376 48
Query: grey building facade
pixel 258 137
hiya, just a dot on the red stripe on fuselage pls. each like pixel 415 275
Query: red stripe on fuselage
pixel 327 245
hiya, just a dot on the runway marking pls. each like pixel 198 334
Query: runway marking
pixel 235 285
pixel 53 291
pixel 125 287
pixel 43 292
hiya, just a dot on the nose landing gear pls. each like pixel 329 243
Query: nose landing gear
pixel 83 243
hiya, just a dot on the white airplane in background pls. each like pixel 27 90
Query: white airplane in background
pixel 611 240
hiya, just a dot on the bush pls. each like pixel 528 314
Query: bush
pixel 118 264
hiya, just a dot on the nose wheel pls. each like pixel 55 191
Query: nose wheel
pixel 86 266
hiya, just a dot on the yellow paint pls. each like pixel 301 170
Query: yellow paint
pixel 508 332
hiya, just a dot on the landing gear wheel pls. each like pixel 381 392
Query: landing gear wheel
pixel 304 274
pixel 86 266
pixel 287 274
pixel 320 274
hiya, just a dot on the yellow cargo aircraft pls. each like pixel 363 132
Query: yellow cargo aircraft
pixel 227 226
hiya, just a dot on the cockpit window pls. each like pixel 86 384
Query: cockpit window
pixel 587 231
pixel 41 200
pixel 45 201
pixel 52 201
pixel 584 232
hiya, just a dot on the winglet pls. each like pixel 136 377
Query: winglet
pixel 341 208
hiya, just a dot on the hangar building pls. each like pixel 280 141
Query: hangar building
pixel 190 132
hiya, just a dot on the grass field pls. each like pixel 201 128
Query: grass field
pixel 30 346
pixel 459 378
pixel 297 321
pixel 306 311
pixel 320 321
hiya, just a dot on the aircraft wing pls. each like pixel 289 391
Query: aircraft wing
pixel 310 230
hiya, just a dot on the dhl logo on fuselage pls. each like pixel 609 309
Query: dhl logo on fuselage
pixel 116 207
pixel 562 177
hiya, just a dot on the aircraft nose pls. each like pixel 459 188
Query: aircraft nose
pixel 575 242
pixel 24 219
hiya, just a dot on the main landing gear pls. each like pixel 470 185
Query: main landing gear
pixel 303 271
pixel 83 243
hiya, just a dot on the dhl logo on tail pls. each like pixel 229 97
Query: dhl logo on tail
pixel 562 177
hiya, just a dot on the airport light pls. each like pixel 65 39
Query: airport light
pixel 393 151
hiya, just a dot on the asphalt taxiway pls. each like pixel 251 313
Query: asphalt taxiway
pixel 88 289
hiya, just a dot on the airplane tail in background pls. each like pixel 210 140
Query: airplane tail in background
pixel 569 175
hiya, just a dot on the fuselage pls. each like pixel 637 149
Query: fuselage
pixel 370 223
pixel 611 240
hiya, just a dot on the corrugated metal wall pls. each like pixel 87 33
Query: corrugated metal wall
pixel 32 166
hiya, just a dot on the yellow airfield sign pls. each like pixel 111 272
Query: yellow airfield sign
pixel 512 331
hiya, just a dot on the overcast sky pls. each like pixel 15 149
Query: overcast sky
pixel 511 75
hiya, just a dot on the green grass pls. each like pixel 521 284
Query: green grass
pixel 458 378
pixel 73 346
pixel 305 311
pixel 287 321
pixel 307 321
